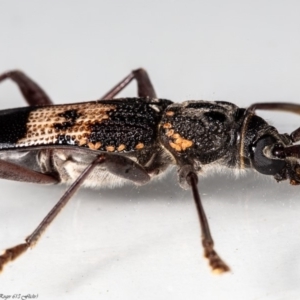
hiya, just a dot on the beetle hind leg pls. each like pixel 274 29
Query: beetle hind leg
pixel 119 165
pixel 11 171
pixel 14 252
pixel 32 92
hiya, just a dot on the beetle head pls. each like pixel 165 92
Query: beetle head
pixel 274 154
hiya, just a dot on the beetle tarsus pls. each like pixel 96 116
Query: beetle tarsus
pixel 11 254
pixel 217 264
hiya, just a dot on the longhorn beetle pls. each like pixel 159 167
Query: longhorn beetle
pixel 111 141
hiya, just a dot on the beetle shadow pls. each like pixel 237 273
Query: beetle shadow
pixel 252 187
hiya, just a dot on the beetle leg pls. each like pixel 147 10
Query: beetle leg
pixel 288 107
pixel 11 171
pixel 14 252
pixel 145 87
pixel 31 91
pixel 118 165
pixel 217 264
pixel 126 168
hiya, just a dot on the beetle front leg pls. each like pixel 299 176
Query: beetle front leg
pixel 126 168
pixel 31 91
pixel 145 87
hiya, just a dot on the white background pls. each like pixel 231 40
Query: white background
pixel 144 243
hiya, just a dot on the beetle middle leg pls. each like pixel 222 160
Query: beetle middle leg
pixel 35 95
pixel 118 165
pixel 145 87
pixel 32 92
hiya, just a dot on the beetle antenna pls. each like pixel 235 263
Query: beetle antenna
pixel 217 264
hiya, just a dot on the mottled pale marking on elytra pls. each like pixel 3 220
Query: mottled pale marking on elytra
pixel 82 141
pixel 170 113
pixel 49 122
pixel 95 146
pixel 110 148
pixel 139 146
pixel 167 125
pixel 121 147
pixel 155 107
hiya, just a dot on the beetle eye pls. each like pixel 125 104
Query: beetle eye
pixel 264 164
pixel 278 151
